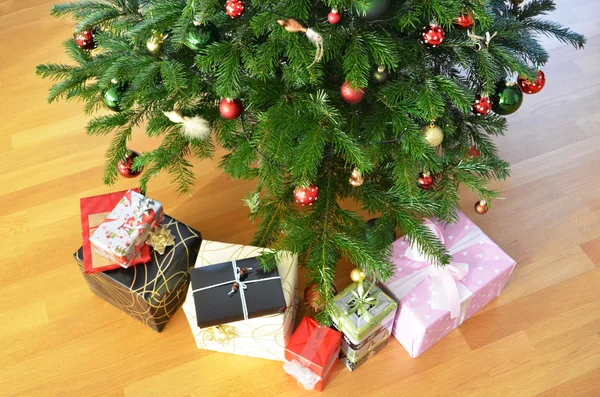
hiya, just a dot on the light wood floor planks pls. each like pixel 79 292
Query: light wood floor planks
pixel 541 337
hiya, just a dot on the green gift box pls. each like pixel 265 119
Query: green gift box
pixel 360 308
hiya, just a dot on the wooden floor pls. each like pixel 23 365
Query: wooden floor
pixel 540 337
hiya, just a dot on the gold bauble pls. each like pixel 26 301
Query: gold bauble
pixel 357 275
pixel 356 179
pixel 154 43
pixel 433 134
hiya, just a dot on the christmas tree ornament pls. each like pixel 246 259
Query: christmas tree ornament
pixel 517 2
pixel 293 26
pixel 481 207
pixel 199 36
pixel 352 95
pixel 112 97
pixel 532 86
pixel 125 166
pixel 231 108
pixel 235 8
pixel 464 20
pixel 357 275
pixel 372 9
pixel 380 75
pixel 482 105
pixel 155 42
pixel 425 180
pixel 85 39
pixel 481 41
pixel 433 35
pixel 356 179
pixel 433 134
pixel 508 98
pixel 334 17
pixel 312 296
pixel 306 195
pixel 473 152
pixel 193 127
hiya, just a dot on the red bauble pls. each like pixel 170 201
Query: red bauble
pixel 311 296
pixel 425 180
pixel 473 152
pixel 334 17
pixel 533 86
pixel 235 8
pixel 306 195
pixel 481 207
pixel 464 20
pixel 350 94
pixel 231 108
pixel 482 105
pixel 85 40
pixel 125 166
pixel 433 35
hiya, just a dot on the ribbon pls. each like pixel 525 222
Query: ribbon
pixel 221 334
pixel 362 301
pixel 447 290
pixel 160 239
pixel 302 374
pixel 241 286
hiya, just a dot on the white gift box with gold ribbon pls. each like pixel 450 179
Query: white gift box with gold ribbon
pixel 263 337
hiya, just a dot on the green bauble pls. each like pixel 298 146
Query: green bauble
pixel 373 9
pixel 508 98
pixel 380 75
pixel 200 36
pixel 112 97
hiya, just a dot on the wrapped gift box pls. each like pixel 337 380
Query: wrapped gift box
pixel 150 292
pixel 312 353
pixel 123 232
pixel 434 300
pixel 360 309
pixel 360 360
pixel 365 348
pixel 235 290
pixel 93 212
pixel 262 337
pixel 386 325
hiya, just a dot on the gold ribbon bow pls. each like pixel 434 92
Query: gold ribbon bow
pixel 160 239
pixel 221 334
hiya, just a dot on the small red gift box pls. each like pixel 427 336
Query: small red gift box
pixel 93 212
pixel 312 353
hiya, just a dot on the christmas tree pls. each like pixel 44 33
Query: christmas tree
pixel 384 102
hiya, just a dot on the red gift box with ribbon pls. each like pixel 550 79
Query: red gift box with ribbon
pixel 93 212
pixel 312 353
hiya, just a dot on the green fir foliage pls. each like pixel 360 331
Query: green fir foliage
pixel 296 129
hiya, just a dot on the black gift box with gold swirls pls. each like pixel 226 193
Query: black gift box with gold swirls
pixel 150 292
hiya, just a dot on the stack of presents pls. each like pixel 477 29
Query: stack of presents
pixel 243 300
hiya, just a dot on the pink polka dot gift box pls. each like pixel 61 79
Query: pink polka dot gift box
pixel 435 300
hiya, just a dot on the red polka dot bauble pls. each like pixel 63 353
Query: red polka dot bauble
pixel 473 152
pixel 231 108
pixel 235 8
pixel 533 86
pixel 85 40
pixel 482 105
pixel 306 195
pixel 334 17
pixel 464 20
pixel 352 95
pixel 433 35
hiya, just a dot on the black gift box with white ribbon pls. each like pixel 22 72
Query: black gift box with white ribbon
pixel 234 291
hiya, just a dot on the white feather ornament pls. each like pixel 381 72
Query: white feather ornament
pixel 193 127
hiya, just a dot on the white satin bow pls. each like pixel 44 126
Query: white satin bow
pixel 302 374
pixel 447 289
